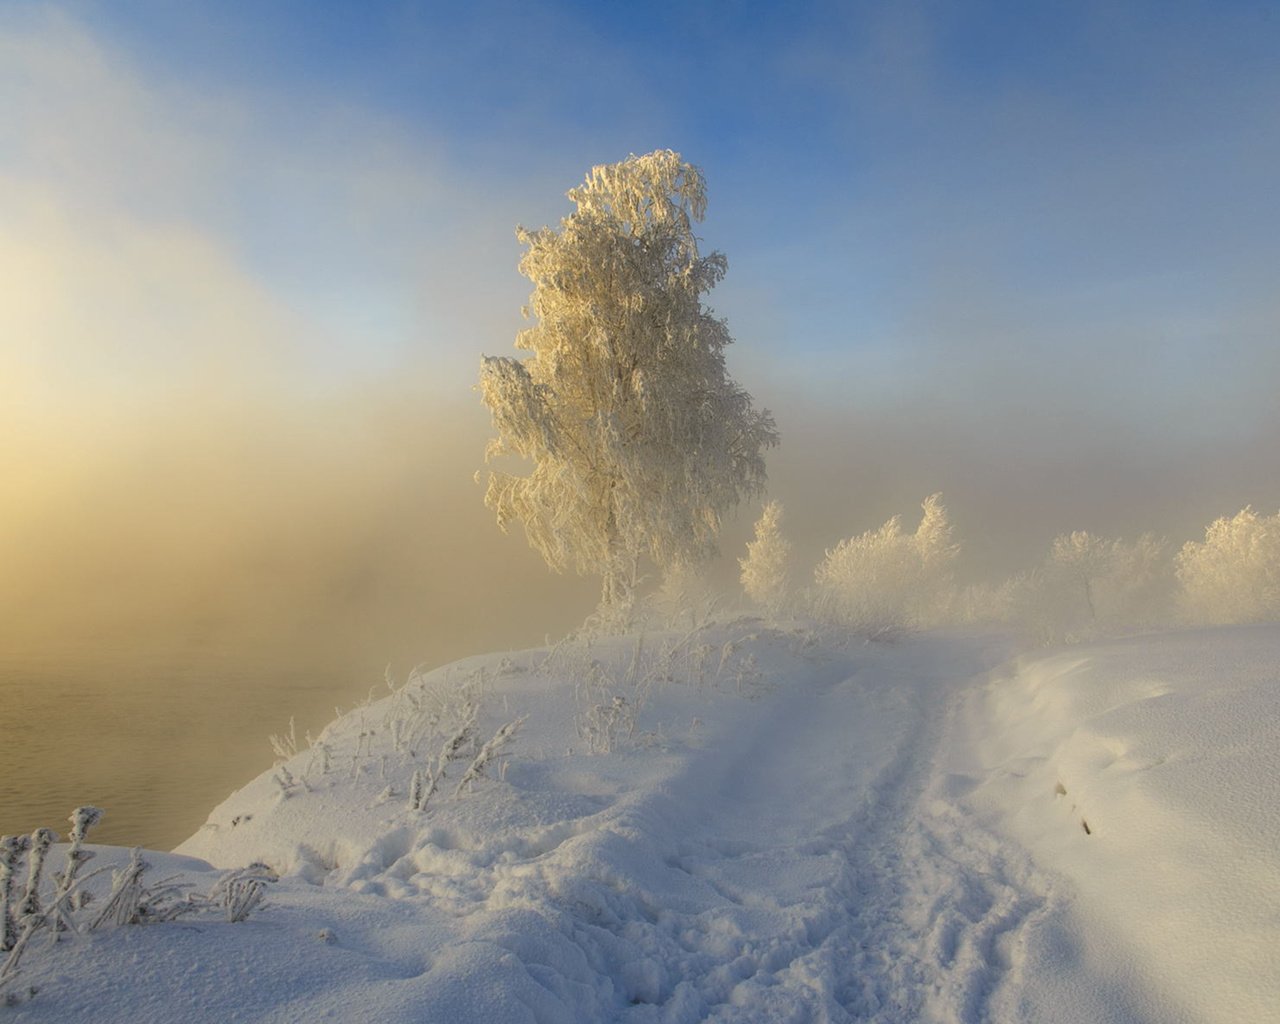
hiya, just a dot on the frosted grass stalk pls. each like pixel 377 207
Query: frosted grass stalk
pixel 11 850
pixel 489 751
pixel 82 819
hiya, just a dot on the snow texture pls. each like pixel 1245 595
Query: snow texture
pixel 785 828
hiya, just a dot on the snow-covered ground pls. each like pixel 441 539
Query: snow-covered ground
pixel 746 823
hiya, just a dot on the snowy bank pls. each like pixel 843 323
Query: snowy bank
pixel 744 823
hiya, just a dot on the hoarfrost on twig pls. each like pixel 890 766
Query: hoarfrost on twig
pixel 490 751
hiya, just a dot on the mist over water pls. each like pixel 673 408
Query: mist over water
pixel 177 591
pixel 179 585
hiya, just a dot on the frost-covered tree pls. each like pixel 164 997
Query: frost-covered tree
pixel 1089 584
pixel 888 579
pixel 1140 588
pixel 1080 559
pixel 764 573
pixel 638 437
pixel 1234 574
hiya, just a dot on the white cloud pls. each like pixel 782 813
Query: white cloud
pixel 158 230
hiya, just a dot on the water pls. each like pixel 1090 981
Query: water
pixel 156 738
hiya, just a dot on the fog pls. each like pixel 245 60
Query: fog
pixel 348 528
pixel 241 323
pixel 190 460
pixel 182 578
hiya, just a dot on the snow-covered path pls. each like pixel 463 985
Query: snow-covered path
pixel 807 833
pixel 805 864
pixel 834 879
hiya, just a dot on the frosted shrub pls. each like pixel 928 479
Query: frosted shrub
pixel 1139 590
pixel 70 908
pixel 420 715
pixel 613 687
pixel 409 740
pixel 285 746
pixel 886 579
pixel 238 893
pixel 1234 574
pixel 601 723
pixel 413 738
pixel 605 715
pixel 130 902
pixel 423 785
pixel 764 575
pixel 490 753
pixel 988 603
pixel 686 598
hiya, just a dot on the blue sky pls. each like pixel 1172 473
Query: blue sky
pixel 1022 228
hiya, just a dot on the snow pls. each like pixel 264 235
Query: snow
pixel 1169 749
pixel 786 826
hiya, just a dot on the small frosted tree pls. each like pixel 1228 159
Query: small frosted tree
pixel 1089 584
pixel 764 573
pixel 1080 559
pixel 1234 574
pixel 1142 581
pixel 639 439
pixel 886 579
